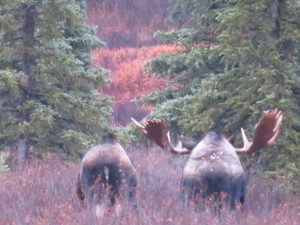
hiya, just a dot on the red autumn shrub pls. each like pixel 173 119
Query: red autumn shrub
pixel 129 80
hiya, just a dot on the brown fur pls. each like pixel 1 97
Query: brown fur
pixel 106 173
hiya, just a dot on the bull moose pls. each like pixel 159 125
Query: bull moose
pixel 213 168
pixel 106 172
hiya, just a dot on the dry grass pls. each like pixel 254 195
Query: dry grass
pixel 44 193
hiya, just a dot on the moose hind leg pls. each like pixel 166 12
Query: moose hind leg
pixel 114 181
pixel 87 185
pixel 131 193
pixel 237 194
pixel 232 201
pixel 191 193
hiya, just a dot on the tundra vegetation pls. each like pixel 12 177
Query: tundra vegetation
pixel 223 64
pixel 44 193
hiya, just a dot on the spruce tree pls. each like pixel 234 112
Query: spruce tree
pixel 193 63
pixel 249 64
pixel 49 99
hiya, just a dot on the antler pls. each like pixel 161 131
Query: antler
pixel 156 131
pixel 265 133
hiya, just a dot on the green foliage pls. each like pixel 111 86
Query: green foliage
pixel 237 59
pixel 184 37
pixel 47 84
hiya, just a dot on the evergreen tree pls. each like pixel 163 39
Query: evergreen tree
pixel 250 64
pixel 47 84
pixel 193 63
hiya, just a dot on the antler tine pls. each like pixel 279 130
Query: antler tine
pixel 265 133
pixel 245 139
pixel 156 131
pixel 178 149
pixel 279 120
pixel 136 123
pixel 276 128
pixel 140 126
pixel 153 130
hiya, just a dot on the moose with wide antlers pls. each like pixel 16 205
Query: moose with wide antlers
pixel 213 167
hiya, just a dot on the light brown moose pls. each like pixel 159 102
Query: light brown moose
pixel 106 172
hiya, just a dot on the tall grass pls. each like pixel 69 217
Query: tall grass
pixel 43 192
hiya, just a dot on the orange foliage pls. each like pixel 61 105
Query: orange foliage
pixel 124 23
pixel 128 76
pixel 128 23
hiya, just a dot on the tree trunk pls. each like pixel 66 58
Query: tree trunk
pixel 28 60
pixel 22 150
pixel 28 30
pixel 276 7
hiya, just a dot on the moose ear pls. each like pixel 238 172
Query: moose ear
pixel 189 142
pixel 231 138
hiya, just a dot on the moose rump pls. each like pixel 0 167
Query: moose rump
pixel 213 168
pixel 106 174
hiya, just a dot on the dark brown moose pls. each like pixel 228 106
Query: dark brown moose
pixel 106 173
pixel 213 168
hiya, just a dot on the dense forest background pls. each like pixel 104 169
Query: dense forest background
pixel 71 70
pixel 219 68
